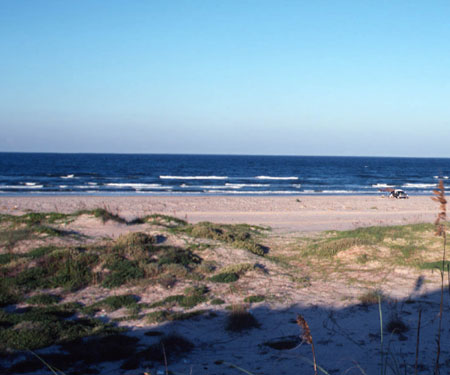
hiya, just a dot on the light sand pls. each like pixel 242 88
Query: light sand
pixel 303 213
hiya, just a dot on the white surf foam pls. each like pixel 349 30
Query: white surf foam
pixel 275 178
pixel 30 183
pixel 135 185
pixel 239 186
pixel 382 186
pixel 193 177
pixel 265 192
pixel 338 191
pixel 21 186
pixel 409 185
pixel 443 177
pixel 68 176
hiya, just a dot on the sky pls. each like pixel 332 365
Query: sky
pixel 347 78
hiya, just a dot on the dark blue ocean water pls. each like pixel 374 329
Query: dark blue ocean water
pixel 113 174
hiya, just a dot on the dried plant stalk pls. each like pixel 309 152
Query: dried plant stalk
pixel 307 337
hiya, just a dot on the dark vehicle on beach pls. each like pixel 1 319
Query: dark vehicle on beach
pixel 399 194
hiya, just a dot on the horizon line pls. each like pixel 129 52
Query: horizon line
pixel 220 154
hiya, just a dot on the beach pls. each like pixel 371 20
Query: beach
pixel 179 283
pixel 285 214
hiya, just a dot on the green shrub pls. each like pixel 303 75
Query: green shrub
pixel 217 301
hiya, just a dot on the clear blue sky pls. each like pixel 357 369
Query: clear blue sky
pixel 241 77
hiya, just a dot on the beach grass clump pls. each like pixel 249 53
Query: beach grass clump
pixel 113 303
pixel 39 252
pixel 217 301
pixel 372 297
pixel 9 238
pixel 174 255
pixel 44 299
pixel 103 214
pixel 161 220
pixel 438 265
pixel 225 277
pixel 136 246
pixel 7 258
pixel 38 327
pixel 160 316
pixel 8 297
pixel 239 319
pixel 170 347
pixel 396 325
pixel 168 301
pixel 232 273
pixel 193 296
pixel 67 269
pixel 121 271
pixel 135 240
pixel 79 354
pixel 238 235
pixel 337 241
pixel 238 268
pixel 255 299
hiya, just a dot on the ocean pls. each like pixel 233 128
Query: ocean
pixel 31 174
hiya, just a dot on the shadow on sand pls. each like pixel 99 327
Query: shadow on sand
pixel 347 341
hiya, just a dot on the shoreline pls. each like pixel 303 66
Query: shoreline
pixel 282 213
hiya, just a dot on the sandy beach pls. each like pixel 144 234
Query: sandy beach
pixel 285 214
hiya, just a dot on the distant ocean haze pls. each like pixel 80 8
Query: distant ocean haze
pixel 139 174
